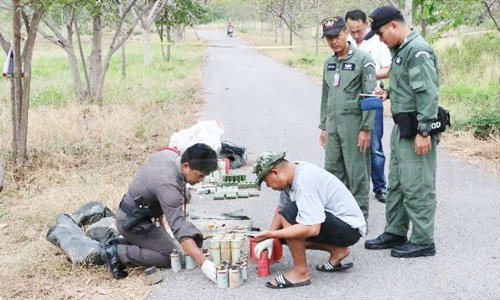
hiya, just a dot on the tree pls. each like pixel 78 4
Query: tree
pixel 179 13
pixel 101 14
pixel 145 22
pixel 31 15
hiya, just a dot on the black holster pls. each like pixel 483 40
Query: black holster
pixel 136 215
pixel 408 123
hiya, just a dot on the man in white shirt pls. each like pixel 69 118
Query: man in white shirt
pixel 315 211
pixel 358 28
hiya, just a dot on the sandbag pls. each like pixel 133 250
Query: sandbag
pixel 78 248
pixel 104 229
pixel 91 212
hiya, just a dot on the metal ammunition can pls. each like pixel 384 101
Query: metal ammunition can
pixel 234 277
pixel 222 277
pixel 190 263
pixel 225 250
pixel 175 261
pixel 235 250
pixel 244 270
pixel 215 251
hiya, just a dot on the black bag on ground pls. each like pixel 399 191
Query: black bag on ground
pixel 78 248
pixel 91 213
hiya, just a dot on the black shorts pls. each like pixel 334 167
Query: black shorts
pixel 333 232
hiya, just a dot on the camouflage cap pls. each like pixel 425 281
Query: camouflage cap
pixel 265 162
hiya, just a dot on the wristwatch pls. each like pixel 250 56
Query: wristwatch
pixel 423 129
pixel 423 133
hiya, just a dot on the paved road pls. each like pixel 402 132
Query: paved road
pixel 267 106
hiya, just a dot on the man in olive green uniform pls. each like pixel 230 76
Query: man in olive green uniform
pixel 414 88
pixel 345 129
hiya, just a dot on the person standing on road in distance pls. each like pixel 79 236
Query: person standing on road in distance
pixel 345 129
pixel 159 189
pixel 413 92
pixel 358 28
pixel 315 211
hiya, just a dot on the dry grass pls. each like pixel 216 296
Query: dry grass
pixel 81 153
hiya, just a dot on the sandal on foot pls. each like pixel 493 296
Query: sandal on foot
pixel 283 283
pixel 328 267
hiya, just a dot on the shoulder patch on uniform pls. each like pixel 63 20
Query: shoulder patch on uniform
pixel 398 60
pixel 331 67
pixel 422 52
pixel 348 66
pixel 369 64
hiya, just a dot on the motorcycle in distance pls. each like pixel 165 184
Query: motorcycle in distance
pixel 230 29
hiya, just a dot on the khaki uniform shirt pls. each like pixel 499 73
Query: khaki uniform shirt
pixel 161 183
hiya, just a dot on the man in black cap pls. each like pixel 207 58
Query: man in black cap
pixel 413 91
pixel 345 129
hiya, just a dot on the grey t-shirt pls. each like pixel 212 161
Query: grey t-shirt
pixel 315 191
pixel 161 184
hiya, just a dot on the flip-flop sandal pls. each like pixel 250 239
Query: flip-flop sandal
pixel 328 267
pixel 283 283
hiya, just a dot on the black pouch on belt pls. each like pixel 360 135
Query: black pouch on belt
pixel 142 212
pixel 407 122
pixel 442 120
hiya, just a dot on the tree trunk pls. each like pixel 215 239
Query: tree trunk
pixel 147 50
pixel 169 43
pixel 124 63
pixel 88 92
pixel 408 12
pixel 18 83
pixel 14 117
pixel 290 38
pixel 96 56
pixel 276 34
pixel 424 21
pixel 73 66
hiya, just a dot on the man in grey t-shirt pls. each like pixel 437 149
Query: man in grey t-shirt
pixel 316 211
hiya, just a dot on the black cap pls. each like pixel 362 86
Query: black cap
pixel 382 16
pixel 332 26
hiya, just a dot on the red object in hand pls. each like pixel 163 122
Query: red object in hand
pixel 277 251
pixel 264 267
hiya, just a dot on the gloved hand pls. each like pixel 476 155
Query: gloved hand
pixel 263 246
pixel 208 268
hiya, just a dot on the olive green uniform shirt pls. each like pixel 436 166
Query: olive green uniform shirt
pixel 356 72
pixel 414 80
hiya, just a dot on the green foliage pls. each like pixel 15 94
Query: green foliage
pixel 50 96
pixel 469 83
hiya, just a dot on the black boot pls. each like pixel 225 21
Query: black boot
pixel 413 250
pixel 385 241
pixel 109 254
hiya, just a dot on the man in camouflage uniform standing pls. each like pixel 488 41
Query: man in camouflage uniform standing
pixel 345 129
pixel 414 89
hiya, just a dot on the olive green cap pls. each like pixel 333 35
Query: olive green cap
pixel 265 162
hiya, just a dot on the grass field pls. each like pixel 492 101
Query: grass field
pixel 81 153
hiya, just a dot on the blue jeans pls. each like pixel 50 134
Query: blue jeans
pixel 377 154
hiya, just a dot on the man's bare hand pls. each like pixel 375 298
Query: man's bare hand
pixel 423 145
pixel 266 234
pixel 364 140
pixel 322 138
pixel 380 92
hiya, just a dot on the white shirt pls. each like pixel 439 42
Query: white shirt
pixel 379 52
pixel 315 191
